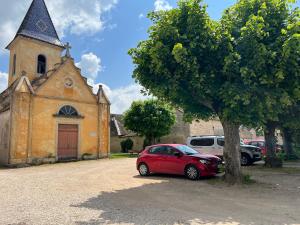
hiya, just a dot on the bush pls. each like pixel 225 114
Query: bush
pixel 126 145
pixel 282 155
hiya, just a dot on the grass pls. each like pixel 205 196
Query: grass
pixel 122 155
pixel 286 170
pixel 246 180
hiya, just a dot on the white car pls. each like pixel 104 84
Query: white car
pixel 214 145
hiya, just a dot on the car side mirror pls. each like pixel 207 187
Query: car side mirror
pixel 177 154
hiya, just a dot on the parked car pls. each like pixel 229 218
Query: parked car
pixel 214 145
pixel 258 143
pixel 176 159
pixel 262 145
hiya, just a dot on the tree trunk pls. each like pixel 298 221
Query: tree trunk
pixel 149 140
pixel 271 159
pixel 232 153
pixel 287 143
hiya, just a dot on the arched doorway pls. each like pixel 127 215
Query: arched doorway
pixel 67 144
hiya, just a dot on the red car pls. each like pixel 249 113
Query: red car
pixel 177 159
pixel 258 143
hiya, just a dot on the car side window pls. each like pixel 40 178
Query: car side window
pixel 221 141
pixel 254 143
pixel 170 151
pixel 203 142
pixel 157 150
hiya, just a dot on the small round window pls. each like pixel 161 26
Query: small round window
pixel 69 83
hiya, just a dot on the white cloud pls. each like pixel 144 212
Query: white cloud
pixel 90 65
pixel 3 81
pixel 162 5
pixel 75 16
pixel 120 98
pixel 141 16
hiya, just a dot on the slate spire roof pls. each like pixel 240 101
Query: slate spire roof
pixel 37 24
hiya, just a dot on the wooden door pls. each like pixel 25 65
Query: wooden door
pixel 67 142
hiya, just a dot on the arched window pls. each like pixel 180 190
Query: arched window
pixel 68 110
pixel 41 65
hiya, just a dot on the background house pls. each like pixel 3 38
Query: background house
pixel 179 133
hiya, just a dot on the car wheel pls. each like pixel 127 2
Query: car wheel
pixel 144 170
pixel 245 160
pixel 192 173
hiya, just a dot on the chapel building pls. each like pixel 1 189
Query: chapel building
pixel 49 113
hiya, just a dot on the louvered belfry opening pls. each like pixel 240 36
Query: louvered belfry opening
pixel 41 64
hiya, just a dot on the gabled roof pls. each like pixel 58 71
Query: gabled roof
pixel 37 24
pixel 117 128
pixel 5 96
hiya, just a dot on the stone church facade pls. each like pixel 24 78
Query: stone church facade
pixel 49 112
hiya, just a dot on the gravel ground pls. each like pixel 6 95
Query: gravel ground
pixel 111 192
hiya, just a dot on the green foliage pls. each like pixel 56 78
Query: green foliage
pixel 151 119
pixel 259 132
pixel 229 68
pixel 281 155
pixel 266 48
pixel 126 145
pixel 248 180
pixel 122 155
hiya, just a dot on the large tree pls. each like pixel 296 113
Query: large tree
pixel 150 118
pixel 266 51
pixel 289 126
pixel 188 61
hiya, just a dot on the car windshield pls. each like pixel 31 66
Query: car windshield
pixel 187 150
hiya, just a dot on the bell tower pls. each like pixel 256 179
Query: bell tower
pixel 36 47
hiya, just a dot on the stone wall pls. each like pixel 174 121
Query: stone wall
pixel 179 132
pixel 115 143
pixel 201 127
pixel 4 137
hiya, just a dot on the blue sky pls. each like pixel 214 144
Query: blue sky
pixel 101 48
pixel 129 30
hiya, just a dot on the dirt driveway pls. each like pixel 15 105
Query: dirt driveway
pixel 111 192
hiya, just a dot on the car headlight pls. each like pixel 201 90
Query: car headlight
pixel 204 161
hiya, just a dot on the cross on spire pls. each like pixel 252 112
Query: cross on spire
pixel 68 48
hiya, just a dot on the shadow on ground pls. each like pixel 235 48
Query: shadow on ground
pixel 176 200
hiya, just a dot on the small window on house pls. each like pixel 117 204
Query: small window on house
pixel 41 65
pixel 14 64
pixel 68 111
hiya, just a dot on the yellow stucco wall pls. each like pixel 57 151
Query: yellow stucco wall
pixel 4 136
pixel 45 127
pixel 27 51
pixel 55 85
pixel 19 127
pixel 104 127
